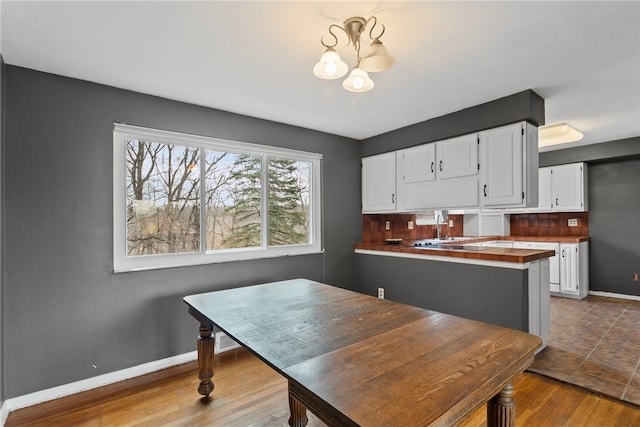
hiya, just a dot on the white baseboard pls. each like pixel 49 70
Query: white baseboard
pixel 91 383
pixel 614 295
pixel 4 414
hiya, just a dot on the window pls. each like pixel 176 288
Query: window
pixel 185 200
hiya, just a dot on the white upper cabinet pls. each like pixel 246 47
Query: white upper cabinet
pixel 562 189
pixel 379 183
pixel 438 175
pixel 509 166
pixel 417 164
pixel 568 184
pixel 544 189
pixel 457 157
pixel 497 168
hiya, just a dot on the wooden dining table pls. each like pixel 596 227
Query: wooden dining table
pixel 357 360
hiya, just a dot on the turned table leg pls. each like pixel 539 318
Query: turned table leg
pixel 501 409
pixel 298 412
pixel 206 343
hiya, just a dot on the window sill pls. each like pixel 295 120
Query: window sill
pixel 133 264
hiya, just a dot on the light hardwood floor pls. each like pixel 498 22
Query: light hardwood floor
pixel 249 393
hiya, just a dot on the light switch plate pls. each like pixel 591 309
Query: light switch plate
pixel 410 225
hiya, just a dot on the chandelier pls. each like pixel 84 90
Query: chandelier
pixel 377 58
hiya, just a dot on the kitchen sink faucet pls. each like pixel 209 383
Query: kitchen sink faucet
pixel 439 222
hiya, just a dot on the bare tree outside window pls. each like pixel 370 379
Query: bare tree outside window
pixel 163 206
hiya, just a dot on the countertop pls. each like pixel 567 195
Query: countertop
pixel 559 239
pixel 490 254
pixel 481 253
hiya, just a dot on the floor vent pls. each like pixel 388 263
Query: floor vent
pixel 224 343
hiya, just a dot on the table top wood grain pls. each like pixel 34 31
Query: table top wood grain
pixel 354 359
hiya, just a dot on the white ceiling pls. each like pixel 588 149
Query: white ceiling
pixel 255 58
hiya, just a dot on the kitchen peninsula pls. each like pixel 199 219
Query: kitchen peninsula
pixel 503 286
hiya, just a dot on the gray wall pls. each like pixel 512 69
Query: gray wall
pixel 488 294
pixel 65 310
pixel 522 106
pixel 614 211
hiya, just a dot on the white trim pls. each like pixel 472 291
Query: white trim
pixel 4 413
pixel 179 138
pixel 614 295
pixel 124 263
pixel 42 396
pixel 446 258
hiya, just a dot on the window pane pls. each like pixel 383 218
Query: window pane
pixel 163 199
pixel 233 200
pixel 289 207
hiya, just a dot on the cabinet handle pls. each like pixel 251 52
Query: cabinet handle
pixel 556 201
pixel 393 198
pixel 440 165
pixel 431 167
pixel 563 253
pixel 484 190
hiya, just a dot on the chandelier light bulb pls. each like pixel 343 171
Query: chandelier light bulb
pixel 358 81
pixel 330 66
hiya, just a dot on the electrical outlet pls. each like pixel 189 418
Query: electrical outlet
pixel 387 225
pixel 410 225
pixel 381 293
pixel 635 277
pixel 450 223
pixel 573 222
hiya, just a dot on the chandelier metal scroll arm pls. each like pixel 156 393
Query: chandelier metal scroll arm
pixel 333 35
pixel 375 22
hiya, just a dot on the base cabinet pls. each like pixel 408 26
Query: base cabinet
pixel 574 273
pixel 554 261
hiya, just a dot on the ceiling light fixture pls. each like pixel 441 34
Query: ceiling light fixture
pixel 559 133
pixel 377 58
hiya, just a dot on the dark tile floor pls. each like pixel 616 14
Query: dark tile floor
pixel 594 343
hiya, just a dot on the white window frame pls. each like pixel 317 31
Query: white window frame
pixel 124 263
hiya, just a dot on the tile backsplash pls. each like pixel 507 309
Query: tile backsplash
pixel 549 224
pixel 373 228
pixel 533 225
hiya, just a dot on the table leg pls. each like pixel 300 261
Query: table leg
pixel 501 409
pixel 206 344
pixel 298 411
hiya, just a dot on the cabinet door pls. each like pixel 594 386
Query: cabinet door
pixel 417 164
pixel 569 268
pixel 567 187
pixel 379 183
pixel 544 190
pixel 457 157
pixel 501 166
